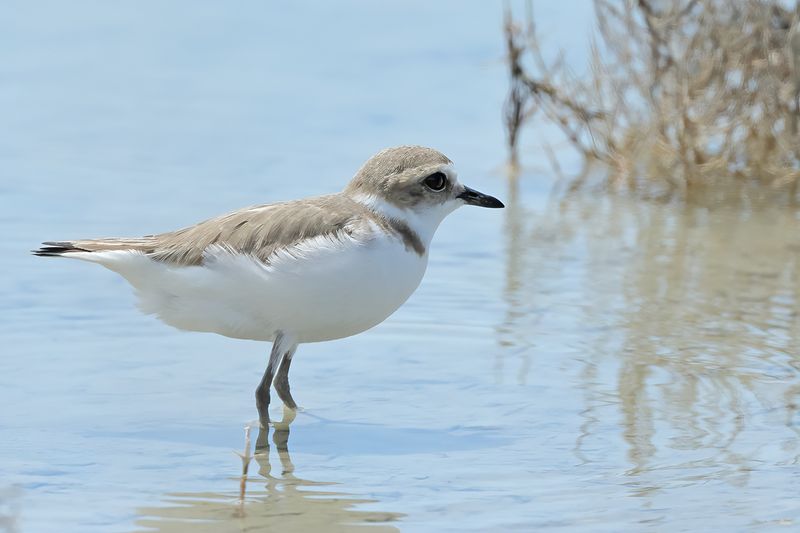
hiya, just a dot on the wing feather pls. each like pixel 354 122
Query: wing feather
pixel 258 231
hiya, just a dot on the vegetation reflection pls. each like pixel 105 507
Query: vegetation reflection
pixel 692 313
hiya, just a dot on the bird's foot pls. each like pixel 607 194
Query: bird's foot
pixel 262 442
pixel 263 417
pixel 289 415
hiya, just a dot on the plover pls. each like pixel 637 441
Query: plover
pixel 308 270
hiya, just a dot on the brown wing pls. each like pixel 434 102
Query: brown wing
pixel 259 231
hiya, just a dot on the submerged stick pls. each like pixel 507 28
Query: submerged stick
pixel 246 457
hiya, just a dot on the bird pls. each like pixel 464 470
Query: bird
pixel 294 272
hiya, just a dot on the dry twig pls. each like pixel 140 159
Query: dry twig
pixel 683 96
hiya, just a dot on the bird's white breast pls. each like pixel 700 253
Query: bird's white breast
pixel 321 289
pixel 337 289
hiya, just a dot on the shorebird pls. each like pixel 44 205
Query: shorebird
pixel 307 270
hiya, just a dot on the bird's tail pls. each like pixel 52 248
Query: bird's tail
pixel 87 246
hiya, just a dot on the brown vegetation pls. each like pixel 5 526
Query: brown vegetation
pixel 683 96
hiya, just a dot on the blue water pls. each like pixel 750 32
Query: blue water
pixel 596 365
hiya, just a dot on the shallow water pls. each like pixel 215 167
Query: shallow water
pixel 589 365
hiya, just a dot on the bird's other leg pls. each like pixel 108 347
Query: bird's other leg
pixel 281 346
pixel 282 381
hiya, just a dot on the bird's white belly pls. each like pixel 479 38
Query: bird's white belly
pixel 325 289
pixel 337 292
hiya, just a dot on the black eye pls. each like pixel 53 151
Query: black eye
pixel 436 181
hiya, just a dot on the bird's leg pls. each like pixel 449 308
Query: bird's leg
pixel 281 346
pixel 262 394
pixel 282 381
pixel 262 445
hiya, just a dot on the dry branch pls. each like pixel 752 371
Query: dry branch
pixel 682 95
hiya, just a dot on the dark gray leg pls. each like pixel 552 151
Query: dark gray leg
pixel 262 445
pixel 282 381
pixel 281 346
pixel 262 395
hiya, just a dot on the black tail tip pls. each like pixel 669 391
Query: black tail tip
pixel 55 249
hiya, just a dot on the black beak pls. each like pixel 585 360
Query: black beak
pixel 473 197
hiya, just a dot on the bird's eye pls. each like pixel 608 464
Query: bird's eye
pixel 436 181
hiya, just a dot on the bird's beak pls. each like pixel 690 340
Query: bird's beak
pixel 473 197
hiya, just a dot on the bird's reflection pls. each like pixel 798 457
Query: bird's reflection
pixel 273 500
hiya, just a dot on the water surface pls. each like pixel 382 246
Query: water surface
pixel 597 364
